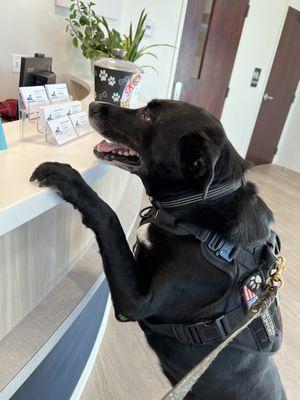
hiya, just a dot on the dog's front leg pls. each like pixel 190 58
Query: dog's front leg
pixel 118 261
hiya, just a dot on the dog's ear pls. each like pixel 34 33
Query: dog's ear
pixel 199 156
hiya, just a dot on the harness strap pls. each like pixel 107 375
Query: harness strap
pixel 209 332
pixel 205 332
pixel 222 248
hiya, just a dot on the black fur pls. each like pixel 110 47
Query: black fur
pixel 181 147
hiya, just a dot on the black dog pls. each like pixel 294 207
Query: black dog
pixel 175 148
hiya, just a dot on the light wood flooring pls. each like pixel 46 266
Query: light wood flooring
pixel 126 368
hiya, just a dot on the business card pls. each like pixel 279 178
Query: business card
pixel 62 129
pixel 54 111
pixel 81 124
pixel 33 97
pixel 57 92
pixel 73 107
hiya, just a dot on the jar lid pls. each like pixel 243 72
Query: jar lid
pixel 118 64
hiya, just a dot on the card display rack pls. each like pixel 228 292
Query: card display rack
pixel 27 114
pixel 30 115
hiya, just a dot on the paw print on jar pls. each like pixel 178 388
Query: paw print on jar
pixel 111 80
pixel 103 75
pixel 115 97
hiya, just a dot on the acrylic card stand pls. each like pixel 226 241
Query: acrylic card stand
pixel 31 114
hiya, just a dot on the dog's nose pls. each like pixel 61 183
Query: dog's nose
pixel 99 108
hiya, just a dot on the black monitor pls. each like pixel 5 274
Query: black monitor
pixel 36 71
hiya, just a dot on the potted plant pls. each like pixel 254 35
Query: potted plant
pixel 113 56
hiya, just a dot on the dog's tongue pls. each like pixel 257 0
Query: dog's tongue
pixel 106 147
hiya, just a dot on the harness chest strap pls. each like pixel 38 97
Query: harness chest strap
pixel 222 248
pixel 210 332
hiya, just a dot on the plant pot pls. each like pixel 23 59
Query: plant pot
pixel 117 82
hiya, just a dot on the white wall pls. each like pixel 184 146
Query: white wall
pixel 288 149
pixel 288 154
pixel 33 26
pixel 257 48
pixel 165 16
pixel 38 26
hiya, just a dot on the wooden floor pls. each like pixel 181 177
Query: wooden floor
pixel 126 369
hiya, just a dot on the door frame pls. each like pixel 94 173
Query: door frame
pixel 211 104
pixel 177 47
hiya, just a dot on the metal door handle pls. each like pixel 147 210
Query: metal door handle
pixel 267 97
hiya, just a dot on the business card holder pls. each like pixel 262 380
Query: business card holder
pixel 51 139
pixel 40 126
pixel 29 114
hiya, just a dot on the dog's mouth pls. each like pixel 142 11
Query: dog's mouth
pixel 110 151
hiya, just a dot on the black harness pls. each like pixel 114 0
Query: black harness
pixel 248 269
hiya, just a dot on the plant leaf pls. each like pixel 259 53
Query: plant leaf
pixel 93 34
pixel 75 42
pixel 130 33
pixel 141 54
pixel 149 66
pixel 158 45
pixel 83 20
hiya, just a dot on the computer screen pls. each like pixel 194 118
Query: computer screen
pixel 36 71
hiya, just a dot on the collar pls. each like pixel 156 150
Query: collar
pixel 188 198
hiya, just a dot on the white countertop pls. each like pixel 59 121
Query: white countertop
pixel 20 200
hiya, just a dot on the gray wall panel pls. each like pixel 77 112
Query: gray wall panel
pixel 56 377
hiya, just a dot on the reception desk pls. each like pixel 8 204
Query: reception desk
pixel 54 298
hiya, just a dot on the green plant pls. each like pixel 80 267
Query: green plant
pixel 92 33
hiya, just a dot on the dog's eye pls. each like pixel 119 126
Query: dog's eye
pixel 146 115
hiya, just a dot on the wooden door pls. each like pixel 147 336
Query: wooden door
pixel 210 38
pixel 279 93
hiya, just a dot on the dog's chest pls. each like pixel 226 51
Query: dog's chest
pixel 175 269
pixel 143 236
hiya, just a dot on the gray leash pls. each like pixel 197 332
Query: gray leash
pixel 182 388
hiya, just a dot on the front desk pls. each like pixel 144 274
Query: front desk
pixel 54 298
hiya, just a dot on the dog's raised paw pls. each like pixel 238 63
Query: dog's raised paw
pixel 61 177
pixel 47 168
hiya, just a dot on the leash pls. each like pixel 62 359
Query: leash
pixel 268 296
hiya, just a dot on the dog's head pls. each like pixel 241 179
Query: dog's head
pixel 171 145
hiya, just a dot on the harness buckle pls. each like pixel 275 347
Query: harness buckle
pixel 222 249
pixel 216 242
pixel 203 235
pixel 208 332
pixel 220 325
pixel 228 252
